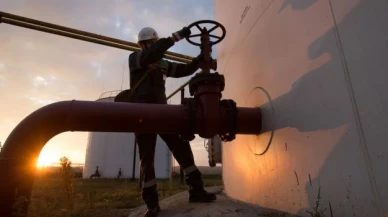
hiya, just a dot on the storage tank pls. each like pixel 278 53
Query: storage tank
pixel 319 70
pixel 112 152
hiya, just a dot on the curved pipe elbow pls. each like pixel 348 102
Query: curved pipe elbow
pixel 19 155
pixel 48 121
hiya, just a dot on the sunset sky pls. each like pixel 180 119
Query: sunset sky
pixel 38 68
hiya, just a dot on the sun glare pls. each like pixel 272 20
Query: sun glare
pixel 46 159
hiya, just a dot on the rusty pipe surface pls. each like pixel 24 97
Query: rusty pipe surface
pixel 83 33
pixel 249 121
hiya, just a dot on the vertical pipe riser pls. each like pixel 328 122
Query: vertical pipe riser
pixel 15 185
pixel 210 104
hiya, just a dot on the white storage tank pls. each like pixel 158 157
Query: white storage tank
pixel 112 152
pixel 318 69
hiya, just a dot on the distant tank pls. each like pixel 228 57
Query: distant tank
pixel 110 155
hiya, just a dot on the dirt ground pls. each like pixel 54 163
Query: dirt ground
pixel 178 206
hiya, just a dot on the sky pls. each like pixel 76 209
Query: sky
pixel 37 68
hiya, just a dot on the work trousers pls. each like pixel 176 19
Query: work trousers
pixel 180 149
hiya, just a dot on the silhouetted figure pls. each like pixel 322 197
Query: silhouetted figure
pixel 148 72
pixel 119 175
pixel 96 174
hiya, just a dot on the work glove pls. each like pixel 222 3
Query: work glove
pixel 181 34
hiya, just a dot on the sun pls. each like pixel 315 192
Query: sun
pixel 46 159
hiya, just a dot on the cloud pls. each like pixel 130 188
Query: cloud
pixel 40 81
pixel 98 68
pixel 28 45
pixel 126 31
pixel 40 101
pixel 117 22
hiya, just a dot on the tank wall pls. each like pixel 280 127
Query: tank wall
pixel 112 151
pixel 319 68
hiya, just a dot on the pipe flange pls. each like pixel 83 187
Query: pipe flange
pixel 232 112
pixel 202 77
pixel 260 144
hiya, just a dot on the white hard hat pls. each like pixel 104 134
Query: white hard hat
pixel 147 33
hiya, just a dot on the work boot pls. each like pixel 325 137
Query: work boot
pixel 196 191
pixel 200 195
pixel 151 199
pixel 152 212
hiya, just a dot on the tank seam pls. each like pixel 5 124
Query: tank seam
pixel 356 113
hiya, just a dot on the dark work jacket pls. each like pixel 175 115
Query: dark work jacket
pixel 152 88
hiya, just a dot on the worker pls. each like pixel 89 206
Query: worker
pixel 152 90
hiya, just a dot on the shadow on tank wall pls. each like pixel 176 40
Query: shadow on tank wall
pixel 321 100
pixel 297 4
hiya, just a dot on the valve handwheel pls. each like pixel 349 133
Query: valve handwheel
pixel 204 30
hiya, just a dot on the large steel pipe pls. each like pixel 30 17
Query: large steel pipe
pixel 22 148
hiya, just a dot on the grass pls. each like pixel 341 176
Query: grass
pixel 316 212
pixel 57 195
